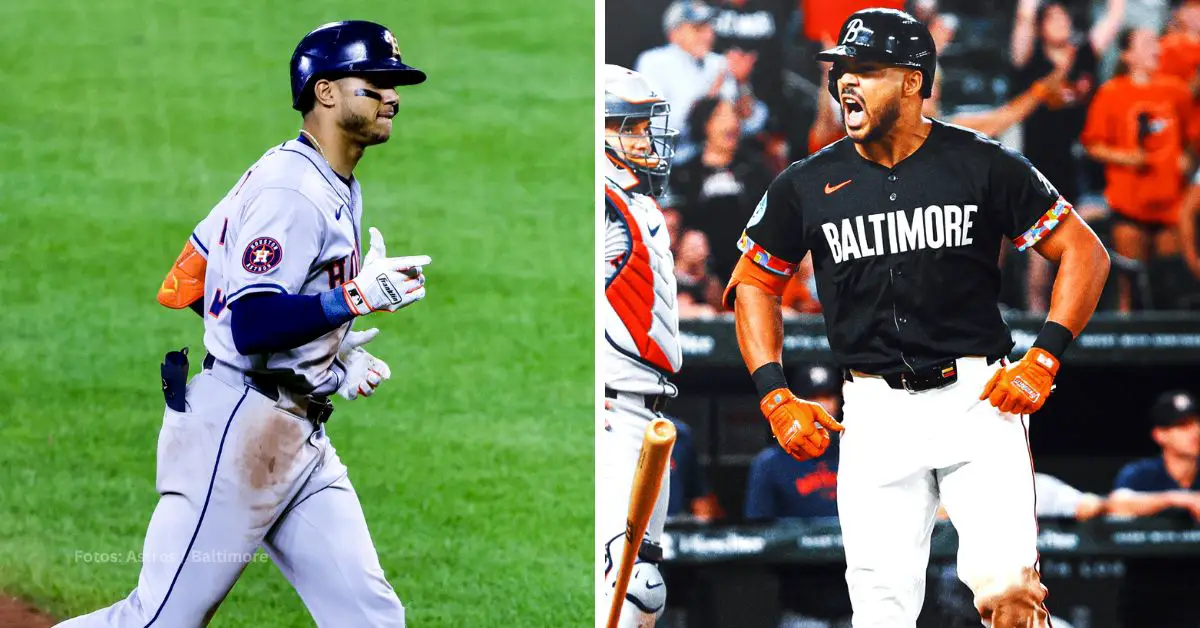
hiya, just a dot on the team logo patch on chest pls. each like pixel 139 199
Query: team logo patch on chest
pixel 262 254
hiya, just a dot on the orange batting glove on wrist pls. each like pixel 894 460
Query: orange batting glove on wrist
pixel 799 426
pixel 1022 387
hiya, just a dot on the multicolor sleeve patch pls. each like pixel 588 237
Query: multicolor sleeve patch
pixel 760 256
pixel 1044 225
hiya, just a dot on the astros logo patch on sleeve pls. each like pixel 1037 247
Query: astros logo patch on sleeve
pixel 262 254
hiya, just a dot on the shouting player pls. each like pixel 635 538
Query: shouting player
pixel 904 220
pixel 641 329
pixel 243 459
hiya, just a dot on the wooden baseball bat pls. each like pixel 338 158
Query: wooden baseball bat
pixel 647 480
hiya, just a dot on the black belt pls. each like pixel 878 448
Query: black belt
pixel 653 403
pixel 317 408
pixel 925 378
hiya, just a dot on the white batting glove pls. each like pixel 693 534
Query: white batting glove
pixel 364 372
pixel 355 339
pixel 386 283
pixel 377 250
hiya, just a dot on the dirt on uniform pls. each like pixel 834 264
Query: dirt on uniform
pixel 16 614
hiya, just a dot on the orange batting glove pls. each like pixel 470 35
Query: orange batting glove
pixel 1022 387
pixel 799 426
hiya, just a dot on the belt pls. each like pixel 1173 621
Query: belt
pixel 925 378
pixel 653 403
pixel 315 408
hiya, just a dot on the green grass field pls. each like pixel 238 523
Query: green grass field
pixel 123 122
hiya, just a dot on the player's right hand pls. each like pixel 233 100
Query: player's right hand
pixel 386 283
pixel 800 426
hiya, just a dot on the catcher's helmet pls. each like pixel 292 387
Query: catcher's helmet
pixel 887 36
pixel 347 48
pixel 628 99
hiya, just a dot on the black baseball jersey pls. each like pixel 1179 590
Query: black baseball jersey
pixel 906 258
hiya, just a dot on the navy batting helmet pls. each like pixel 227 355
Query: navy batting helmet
pixel 355 47
pixel 887 36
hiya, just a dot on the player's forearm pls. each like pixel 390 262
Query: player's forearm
pixel 1135 504
pixel 758 318
pixel 1082 272
pixel 269 323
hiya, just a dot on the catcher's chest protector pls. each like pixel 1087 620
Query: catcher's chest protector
pixel 642 318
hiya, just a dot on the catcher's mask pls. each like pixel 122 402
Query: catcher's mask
pixel 637 135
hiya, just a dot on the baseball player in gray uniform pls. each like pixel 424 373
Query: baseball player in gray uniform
pixel 243 458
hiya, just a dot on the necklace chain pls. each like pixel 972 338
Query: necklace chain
pixel 316 144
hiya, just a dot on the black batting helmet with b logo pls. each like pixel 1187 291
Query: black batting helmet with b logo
pixel 887 36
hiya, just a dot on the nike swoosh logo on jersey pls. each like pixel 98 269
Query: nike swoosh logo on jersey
pixel 654 230
pixel 337 213
pixel 654 586
pixel 830 189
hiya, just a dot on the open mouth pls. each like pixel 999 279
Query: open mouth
pixel 853 110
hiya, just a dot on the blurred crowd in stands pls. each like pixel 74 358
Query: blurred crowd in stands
pixel 1103 97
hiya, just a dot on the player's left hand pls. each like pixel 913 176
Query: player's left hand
pixel 355 339
pixel 1022 387
pixel 364 372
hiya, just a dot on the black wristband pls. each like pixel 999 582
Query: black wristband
pixel 1054 339
pixel 769 377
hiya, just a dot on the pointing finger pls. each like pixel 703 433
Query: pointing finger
pixel 829 422
pixel 410 262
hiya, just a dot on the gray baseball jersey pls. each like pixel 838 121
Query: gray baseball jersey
pixel 241 467
pixel 290 225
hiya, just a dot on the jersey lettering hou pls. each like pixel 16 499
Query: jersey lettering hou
pixel 906 258
pixel 290 225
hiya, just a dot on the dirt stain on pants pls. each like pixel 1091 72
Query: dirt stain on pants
pixel 271 449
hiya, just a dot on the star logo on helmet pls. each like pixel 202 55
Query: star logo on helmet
pixel 391 39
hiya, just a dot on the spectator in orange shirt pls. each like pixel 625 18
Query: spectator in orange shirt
pixel 1181 47
pixel 1136 127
